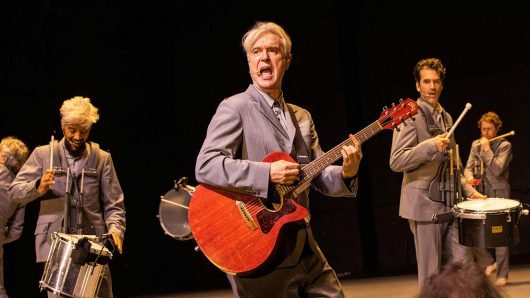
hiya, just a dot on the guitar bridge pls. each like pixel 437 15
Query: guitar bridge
pixel 245 214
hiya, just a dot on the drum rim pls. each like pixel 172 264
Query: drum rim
pixel 460 209
pixel 105 252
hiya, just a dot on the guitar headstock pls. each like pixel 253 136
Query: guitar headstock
pixel 397 114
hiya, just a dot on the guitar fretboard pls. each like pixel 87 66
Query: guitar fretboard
pixel 312 169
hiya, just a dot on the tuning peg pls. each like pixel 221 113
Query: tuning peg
pixel 395 126
pixel 385 108
pixel 400 100
pixel 404 123
pixel 410 116
pixel 393 104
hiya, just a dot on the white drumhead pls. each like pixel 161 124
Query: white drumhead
pixel 490 204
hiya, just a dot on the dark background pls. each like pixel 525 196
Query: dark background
pixel 157 70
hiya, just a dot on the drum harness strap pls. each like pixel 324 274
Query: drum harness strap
pixel 81 253
pixel 446 185
pixel 90 169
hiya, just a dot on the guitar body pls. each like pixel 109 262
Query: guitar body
pixel 235 231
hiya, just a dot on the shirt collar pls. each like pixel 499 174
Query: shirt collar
pixel 434 111
pixel 270 100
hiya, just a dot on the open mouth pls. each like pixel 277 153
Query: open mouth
pixel 265 72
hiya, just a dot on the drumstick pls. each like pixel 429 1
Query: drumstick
pixel 451 162
pixel 468 107
pixel 457 158
pixel 511 133
pixel 51 154
pixel 173 203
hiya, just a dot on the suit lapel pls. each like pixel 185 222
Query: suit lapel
pixel 265 109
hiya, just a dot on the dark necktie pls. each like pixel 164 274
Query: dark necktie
pixel 278 113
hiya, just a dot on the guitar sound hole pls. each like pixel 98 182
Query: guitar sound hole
pixel 274 201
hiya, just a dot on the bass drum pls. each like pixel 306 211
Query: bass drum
pixel 488 223
pixel 173 211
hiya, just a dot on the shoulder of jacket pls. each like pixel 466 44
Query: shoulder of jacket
pixel 240 99
pixel 298 109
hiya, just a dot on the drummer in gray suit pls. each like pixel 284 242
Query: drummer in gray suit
pixel 96 202
pixel 13 154
pixel 488 168
pixel 418 151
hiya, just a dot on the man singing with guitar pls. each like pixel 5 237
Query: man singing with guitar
pixel 235 167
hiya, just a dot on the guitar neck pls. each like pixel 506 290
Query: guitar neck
pixel 312 169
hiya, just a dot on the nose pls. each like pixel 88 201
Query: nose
pixel 264 55
pixel 77 136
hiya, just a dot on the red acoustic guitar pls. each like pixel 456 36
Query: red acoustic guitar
pixel 238 232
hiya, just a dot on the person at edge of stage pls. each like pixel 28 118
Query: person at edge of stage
pixel 488 163
pixel 243 131
pixel 13 154
pixel 459 280
pixel 101 207
pixel 418 151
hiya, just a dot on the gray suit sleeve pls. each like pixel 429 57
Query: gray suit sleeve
pixel 218 163
pixel 24 188
pixel 406 153
pixel 498 163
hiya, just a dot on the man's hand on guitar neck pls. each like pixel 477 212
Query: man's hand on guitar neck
pixel 351 158
pixel 284 172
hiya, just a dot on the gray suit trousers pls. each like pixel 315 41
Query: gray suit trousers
pixel 436 244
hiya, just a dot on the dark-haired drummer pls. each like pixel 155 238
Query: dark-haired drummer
pixel 418 151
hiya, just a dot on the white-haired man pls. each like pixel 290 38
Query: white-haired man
pixel 96 202
pixel 244 130
pixel 13 154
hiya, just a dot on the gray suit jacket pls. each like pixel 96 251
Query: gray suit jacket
pixel 241 134
pixel 103 197
pixel 11 213
pixel 415 154
pixel 495 167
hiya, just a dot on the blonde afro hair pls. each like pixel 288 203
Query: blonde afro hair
pixel 79 111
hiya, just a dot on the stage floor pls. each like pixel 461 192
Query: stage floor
pixel 384 287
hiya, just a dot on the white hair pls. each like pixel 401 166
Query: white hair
pixel 14 153
pixel 266 27
pixel 79 111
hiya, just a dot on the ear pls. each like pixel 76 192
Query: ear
pixel 289 59
pixel 417 86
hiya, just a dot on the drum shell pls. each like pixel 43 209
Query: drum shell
pixel 173 212
pixel 63 277
pixel 495 230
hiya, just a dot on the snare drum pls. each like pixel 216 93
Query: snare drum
pixel 173 212
pixel 488 223
pixel 65 276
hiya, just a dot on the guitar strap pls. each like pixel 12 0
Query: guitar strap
pixel 300 148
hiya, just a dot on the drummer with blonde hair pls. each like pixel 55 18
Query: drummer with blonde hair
pixel 13 154
pixel 73 172
pixel 487 169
